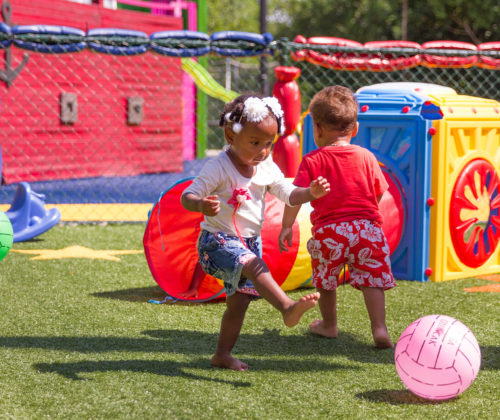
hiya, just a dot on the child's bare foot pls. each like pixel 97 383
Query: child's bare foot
pixel 228 362
pixel 318 327
pixel 381 339
pixel 189 293
pixel 293 314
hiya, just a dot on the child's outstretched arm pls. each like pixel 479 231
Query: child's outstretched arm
pixel 286 234
pixel 209 205
pixel 318 188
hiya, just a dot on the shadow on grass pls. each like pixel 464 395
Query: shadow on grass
pixel 165 368
pixel 75 370
pixel 143 294
pixel 490 357
pixel 271 342
pixel 398 397
pixel 33 240
pixel 139 294
pixel 268 343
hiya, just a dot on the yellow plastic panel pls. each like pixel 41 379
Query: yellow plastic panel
pixel 457 142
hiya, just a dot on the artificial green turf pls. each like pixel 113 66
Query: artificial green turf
pixel 78 339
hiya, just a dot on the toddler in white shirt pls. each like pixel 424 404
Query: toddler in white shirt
pixel 230 191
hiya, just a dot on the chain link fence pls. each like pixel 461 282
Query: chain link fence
pixel 87 127
pixel 466 81
pixel 237 74
pixel 245 76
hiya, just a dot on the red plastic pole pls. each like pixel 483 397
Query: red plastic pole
pixel 286 152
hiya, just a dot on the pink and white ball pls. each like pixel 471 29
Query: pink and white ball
pixel 437 357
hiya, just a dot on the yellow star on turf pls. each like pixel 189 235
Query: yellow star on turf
pixel 76 251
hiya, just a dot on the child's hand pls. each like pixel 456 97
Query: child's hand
pixel 319 187
pixel 210 205
pixel 285 239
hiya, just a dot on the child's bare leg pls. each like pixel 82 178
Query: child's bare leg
pixel 327 326
pixel 258 272
pixel 375 304
pixel 198 276
pixel 232 321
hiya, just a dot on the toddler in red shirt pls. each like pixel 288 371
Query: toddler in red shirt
pixel 347 221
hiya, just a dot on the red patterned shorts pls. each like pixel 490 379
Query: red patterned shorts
pixel 359 244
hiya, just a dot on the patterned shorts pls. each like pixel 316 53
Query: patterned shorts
pixel 359 244
pixel 223 257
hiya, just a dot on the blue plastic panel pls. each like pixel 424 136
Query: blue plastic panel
pixel 402 145
pixel 308 144
pixel 407 87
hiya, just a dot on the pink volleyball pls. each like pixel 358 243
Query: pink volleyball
pixel 437 357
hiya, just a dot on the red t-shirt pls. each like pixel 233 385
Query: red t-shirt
pixel 355 181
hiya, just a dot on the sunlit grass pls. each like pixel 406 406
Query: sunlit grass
pixel 78 339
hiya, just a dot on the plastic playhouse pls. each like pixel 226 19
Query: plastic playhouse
pixel 441 150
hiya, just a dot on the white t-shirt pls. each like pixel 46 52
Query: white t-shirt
pixel 220 177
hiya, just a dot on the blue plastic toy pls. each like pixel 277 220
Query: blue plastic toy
pixel 28 214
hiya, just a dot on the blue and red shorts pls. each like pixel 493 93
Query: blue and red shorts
pixel 223 257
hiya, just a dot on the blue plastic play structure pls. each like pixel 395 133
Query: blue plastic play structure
pixel 396 130
pixel 28 214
